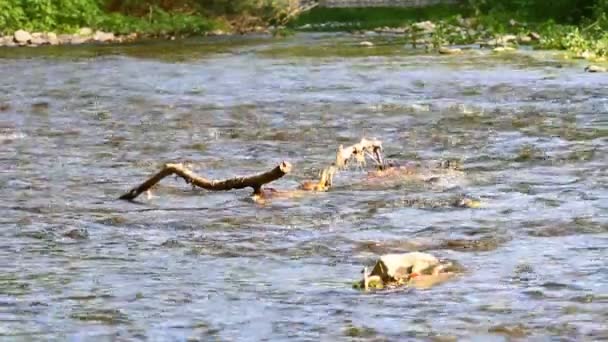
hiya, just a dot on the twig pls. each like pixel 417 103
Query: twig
pixel 255 181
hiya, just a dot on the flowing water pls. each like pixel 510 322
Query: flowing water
pixel 79 126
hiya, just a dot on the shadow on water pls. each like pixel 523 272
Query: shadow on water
pixel 81 125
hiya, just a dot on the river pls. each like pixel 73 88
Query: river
pixel 79 126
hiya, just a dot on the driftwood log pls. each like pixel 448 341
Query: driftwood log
pixel 255 182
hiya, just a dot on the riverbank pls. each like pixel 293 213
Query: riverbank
pixel 442 25
pixel 442 28
pixel 86 21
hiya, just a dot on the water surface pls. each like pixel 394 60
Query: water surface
pixel 81 125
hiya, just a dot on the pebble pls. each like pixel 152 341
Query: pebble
pixel 366 43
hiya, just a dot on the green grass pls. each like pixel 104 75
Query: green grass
pixel 367 18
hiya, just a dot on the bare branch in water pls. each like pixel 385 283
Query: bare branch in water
pixel 255 181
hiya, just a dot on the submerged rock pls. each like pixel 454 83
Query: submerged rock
pixel 420 270
pixel 595 68
pixel 77 234
pixel 444 50
pixel 504 49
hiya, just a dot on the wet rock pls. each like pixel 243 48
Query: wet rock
pixel 595 68
pixel 22 37
pixel 416 269
pixel 513 331
pixel 172 243
pixel 503 49
pixel 77 234
pixel 366 43
pixel 535 36
pixel 523 39
pixel 444 50
pixel 85 31
pixel 425 26
pixel 103 37
pixel 216 33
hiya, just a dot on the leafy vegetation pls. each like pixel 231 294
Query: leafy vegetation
pixel 370 18
pixel 154 17
pixel 577 26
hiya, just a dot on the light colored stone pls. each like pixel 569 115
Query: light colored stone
pixel 7 41
pixel 217 33
pixel 37 35
pixel 76 40
pixel 524 39
pixel 85 31
pixel 444 50
pixel 366 43
pixel 503 49
pixel 425 26
pixel 64 39
pixel 22 37
pixel 588 55
pixel 38 40
pixel 400 266
pixel 595 68
pixel 507 38
pixel 103 37
pixel 52 38
pixel 534 36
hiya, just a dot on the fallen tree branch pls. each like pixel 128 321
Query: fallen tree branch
pixel 256 181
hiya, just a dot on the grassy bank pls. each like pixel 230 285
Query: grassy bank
pixel 150 17
pixel 370 18
pixel 580 27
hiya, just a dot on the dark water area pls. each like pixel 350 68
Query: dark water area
pixel 81 125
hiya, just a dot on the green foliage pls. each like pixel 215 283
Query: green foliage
pixel 69 15
pixel 157 22
pixel 369 18
pixel 564 11
pixel 11 16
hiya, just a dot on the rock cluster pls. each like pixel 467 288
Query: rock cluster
pixel 84 35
